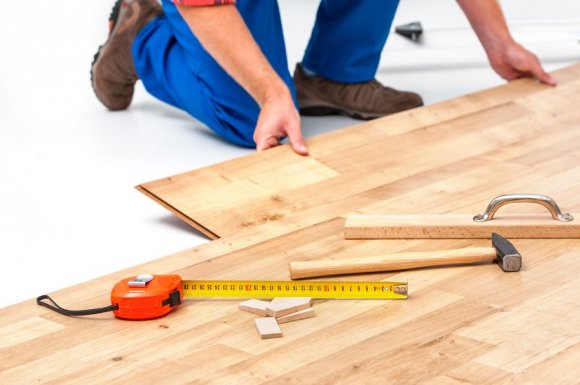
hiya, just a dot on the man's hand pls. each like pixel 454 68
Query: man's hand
pixel 509 59
pixel 279 118
pixel 224 34
pixel 514 62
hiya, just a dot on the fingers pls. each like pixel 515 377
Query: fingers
pixel 297 142
pixel 279 118
pixel 267 142
pixel 543 76
pixel 269 135
pixel 516 62
pixel 533 67
pixel 299 147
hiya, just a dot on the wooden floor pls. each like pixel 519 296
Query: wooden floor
pixel 460 325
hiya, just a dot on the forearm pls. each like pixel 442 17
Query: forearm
pixel 224 34
pixel 488 22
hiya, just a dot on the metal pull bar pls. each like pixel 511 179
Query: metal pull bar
pixel 543 200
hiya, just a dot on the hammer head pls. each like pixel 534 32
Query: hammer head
pixel 508 258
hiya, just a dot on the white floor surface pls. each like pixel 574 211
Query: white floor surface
pixel 68 210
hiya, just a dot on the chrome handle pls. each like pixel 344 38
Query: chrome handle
pixel 543 200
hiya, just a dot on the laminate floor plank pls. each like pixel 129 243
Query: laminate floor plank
pixel 469 324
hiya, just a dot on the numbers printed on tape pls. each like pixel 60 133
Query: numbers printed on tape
pixel 314 289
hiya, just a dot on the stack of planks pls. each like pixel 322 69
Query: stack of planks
pixel 464 324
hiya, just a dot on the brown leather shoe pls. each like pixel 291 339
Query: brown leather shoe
pixel 318 96
pixel 113 73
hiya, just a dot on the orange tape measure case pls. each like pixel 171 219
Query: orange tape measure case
pixel 151 300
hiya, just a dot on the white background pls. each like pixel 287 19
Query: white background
pixel 68 210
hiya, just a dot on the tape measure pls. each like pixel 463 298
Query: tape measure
pixel 313 289
pixel 152 296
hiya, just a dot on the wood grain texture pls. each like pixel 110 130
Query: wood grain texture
pixel 460 325
pixel 299 315
pixel 268 328
pixel 280 307
pixel 391 262
pixel 254 306
pixel 457 226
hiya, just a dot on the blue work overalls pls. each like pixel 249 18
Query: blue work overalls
pixel 345 46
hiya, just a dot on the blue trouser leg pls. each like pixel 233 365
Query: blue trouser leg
pixel 175 68
pixel 348 38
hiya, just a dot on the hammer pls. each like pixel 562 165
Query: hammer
pixel 502 252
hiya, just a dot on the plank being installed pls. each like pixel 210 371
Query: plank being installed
pixel 466 324
pixel 374 162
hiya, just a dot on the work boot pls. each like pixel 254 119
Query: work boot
pixel 369 100
pixel 113 72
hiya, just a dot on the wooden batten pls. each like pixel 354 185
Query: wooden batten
pixel 457 226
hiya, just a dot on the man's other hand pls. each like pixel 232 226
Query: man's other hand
pixel 514 61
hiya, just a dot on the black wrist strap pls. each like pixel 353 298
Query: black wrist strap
pixel 72 313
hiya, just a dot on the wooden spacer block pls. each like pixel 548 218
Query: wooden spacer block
pixel 280 307
pixel 254 306
pixel 302 314
pixel 268 328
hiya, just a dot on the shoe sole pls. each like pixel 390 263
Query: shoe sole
pixel 95 58
pixel 316 109
pixel 112 22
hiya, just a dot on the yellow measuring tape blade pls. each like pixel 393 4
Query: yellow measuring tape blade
pixel 313 289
